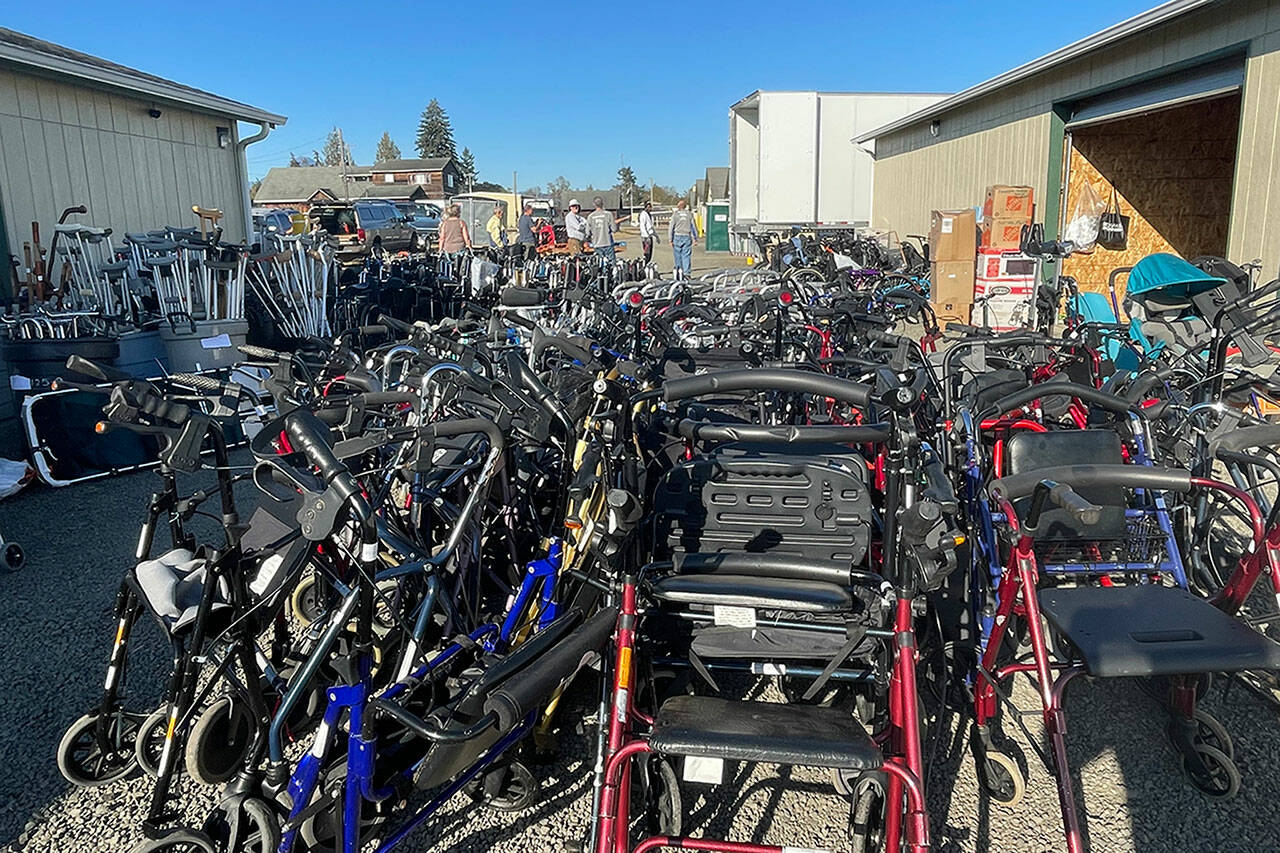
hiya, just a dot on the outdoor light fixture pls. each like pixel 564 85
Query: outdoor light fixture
pixel 153 112
pixel 224 137
pixel 933 127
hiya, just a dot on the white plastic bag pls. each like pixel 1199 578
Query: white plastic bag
pixel 1086 217
pixel 13 476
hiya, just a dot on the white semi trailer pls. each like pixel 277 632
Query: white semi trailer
pixel 792 159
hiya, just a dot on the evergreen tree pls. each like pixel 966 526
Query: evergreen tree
pixel 316 159
pixel 293 159
pixel 336 152
pixel 627 185
pixel 467 169
pixel 435 134
pixel 387 150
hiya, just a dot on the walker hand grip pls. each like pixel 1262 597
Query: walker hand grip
pixel 768 379
pixel 196 381
pixel 308 434
pixel 1080 509
pixel 85 367
pixel 259 352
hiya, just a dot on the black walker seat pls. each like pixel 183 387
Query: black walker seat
pixel 800 735
pixel 1150 630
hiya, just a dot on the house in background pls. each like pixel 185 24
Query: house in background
pixel 300 187
pixel 438 175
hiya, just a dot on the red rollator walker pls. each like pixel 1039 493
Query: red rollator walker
pixel 829 605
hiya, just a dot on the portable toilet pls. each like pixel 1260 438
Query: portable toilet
pixel 717 226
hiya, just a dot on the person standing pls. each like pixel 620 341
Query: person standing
pixel 575 227
pixel 526 240
pixel 496 228
pixel 600 227
pixel 648 233
pixel 683 234
pixel 453 232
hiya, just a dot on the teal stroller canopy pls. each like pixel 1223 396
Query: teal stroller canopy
pixel 1169 279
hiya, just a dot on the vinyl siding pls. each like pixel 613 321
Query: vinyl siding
pixel 63 144
pixel 1255 203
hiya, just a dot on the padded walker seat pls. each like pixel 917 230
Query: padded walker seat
pixel 1153 630
pixel 803 735
pixel 746 591
pixel 171 586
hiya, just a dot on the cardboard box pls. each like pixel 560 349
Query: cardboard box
pixel 1002 234
pixel 1005 282
pixel 952 235
pixel 951 289
pixel 1009 202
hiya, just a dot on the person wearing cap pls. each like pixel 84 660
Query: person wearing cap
pixel 575 227
pixel 683 234
pixel 601 227
pixel 526 240
pixel 648 232
pixel 496 228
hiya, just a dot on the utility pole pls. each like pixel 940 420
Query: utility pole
pixel 342 156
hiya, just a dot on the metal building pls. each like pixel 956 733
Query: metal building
pixel 136 149
pixel 1174 111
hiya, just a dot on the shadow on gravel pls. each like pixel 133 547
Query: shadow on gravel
pixel 57 618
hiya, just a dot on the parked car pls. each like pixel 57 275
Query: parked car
pixel 354 226
pixel 271 220
pixel 424 220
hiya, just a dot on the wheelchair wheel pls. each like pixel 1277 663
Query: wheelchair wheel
pixel 83 762
pixel 14 558
pixel 658 788
pixel 149 745
pixel 1217 778
pixel 219 741
pixel 177 841
pixel 1001 777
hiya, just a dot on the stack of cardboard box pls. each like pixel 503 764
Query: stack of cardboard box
pixel 1004 212
pixel 1005 291
pixel 953 238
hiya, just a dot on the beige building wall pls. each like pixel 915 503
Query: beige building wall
pixel 1255 204
pixel 63 145
pixel 955 173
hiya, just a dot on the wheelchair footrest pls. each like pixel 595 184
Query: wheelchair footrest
pixel 1153 630
pixel 802 735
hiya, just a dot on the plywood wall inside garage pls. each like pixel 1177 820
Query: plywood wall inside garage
pixel 1173 173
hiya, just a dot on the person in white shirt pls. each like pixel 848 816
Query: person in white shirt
pixel 575 227
pixel 648 233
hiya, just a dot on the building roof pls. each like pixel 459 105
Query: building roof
pixel 1103 38
pixel 753 100
pixel 413 164
pixel 299 183
pixel 21 49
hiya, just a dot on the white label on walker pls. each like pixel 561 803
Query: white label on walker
pixel 216 342
pixel 708 771
pixel 737 617
pixel 769 668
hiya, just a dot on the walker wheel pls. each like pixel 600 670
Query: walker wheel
pixel 1217 776
pixel 307 601
pixel 177 841
pixel 246 825
pixel 14 558
pixel 1212 733
pixel 219 741
pixel 866 826
pixel 149 746
pixel 1002 778
pixel 82 760
pixel 509 788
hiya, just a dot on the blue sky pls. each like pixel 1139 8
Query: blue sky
pixel 556 88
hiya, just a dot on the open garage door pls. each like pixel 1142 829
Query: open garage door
pixel 1167 149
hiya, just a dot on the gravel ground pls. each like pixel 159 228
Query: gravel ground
pixel 56 618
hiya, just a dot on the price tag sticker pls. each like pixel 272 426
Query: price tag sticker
pixel 736 617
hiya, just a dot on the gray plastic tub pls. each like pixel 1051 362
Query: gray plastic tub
pixel 211 344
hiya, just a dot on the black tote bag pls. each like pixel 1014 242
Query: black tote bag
pixel 1113 230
